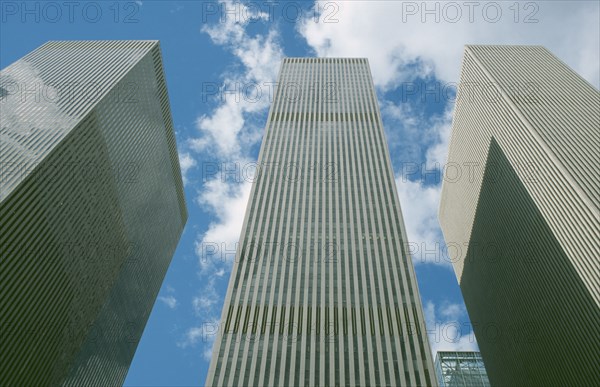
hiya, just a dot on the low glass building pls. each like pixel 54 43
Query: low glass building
pixel 460 369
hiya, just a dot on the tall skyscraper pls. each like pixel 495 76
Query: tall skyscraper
pixel 323 291
pixel 523 218
pixel 460 369
pixel 92 208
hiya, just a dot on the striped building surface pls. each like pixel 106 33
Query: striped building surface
pixel 323 291
pixel 523 218
pixel 92 207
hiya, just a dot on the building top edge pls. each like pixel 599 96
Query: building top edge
pixel 326 59
pixel 505 45
pixel 103 41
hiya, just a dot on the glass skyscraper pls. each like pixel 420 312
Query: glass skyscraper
pixel 525 221
pixel 460 369
pixel 323 290
pixel 92 208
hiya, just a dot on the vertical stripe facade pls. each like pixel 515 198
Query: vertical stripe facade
pixel 323 291
pixel 526 221
pixel 92 208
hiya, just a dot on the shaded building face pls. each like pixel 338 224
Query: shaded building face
pixel 323 290
pixel 92 208
pixel 527 222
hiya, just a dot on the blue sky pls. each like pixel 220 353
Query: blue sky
pixel 217 54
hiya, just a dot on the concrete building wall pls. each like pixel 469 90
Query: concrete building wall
pixel 323 291
pixel 527 220
pixel 92 208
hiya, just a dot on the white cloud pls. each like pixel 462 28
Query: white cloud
pixel 452 311
pixel 437 154
pixel 420 201
pixel 169 301
pixel 228 202
pixel 417 137
pixel 221 128
pixel 204 307
pixel 202 302
pixel 448 328
pixel 206 333
pixel 400 112
pixel 186 162
pixel 208 297
pixel 225 129
pixel 232 27
pixel 393 38
pixel 419 205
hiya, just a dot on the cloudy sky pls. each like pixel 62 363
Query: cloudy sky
pixel 221 59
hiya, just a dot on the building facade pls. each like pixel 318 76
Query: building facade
pixel 460 369
pixel 92 208
pixel 523 219
pixel 323 291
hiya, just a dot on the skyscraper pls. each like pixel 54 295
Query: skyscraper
pixel 523 218
pixel 92 208
pixel 460 369
pixel 323 290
